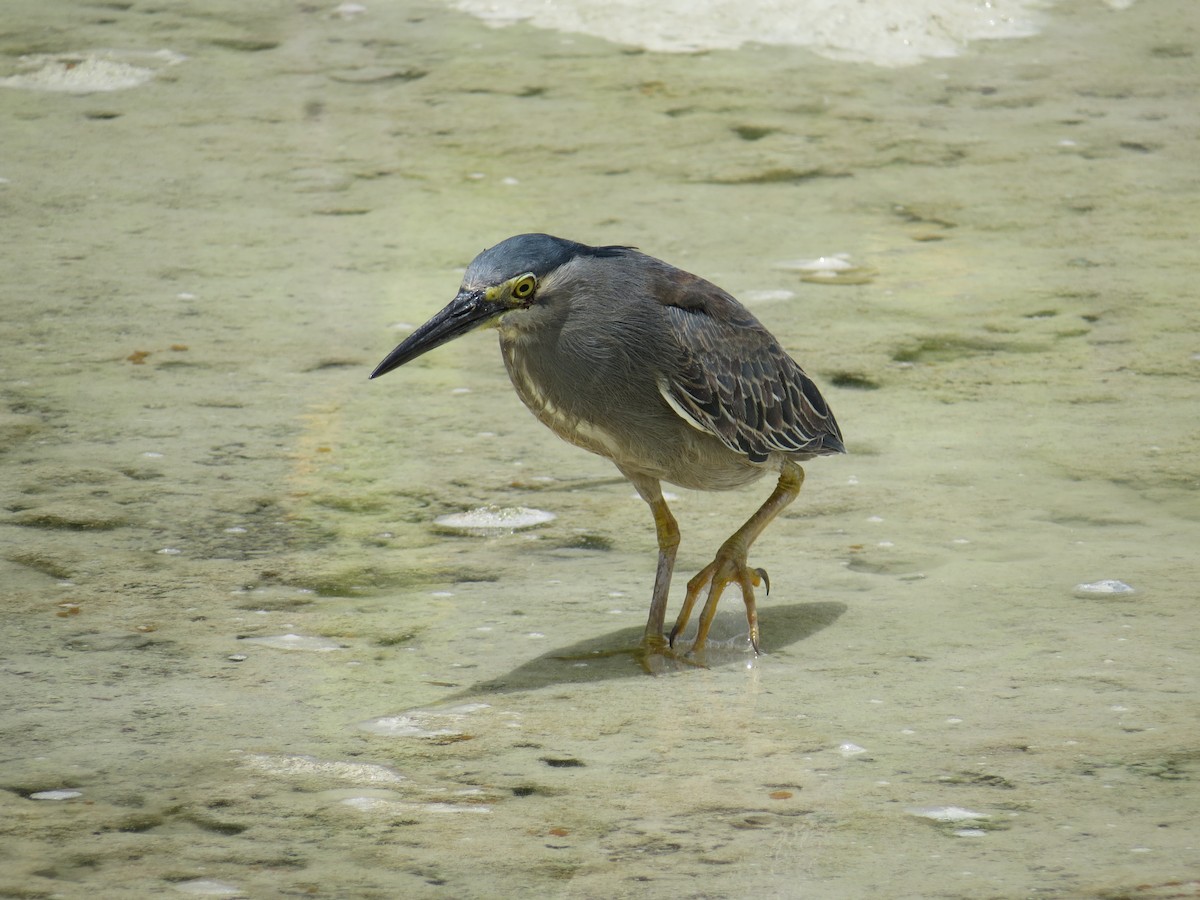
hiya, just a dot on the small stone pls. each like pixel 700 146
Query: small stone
pixel 55 795
pixel 444 722
pixel 208 887
pixel 946 813
pixel 1108 586
pixel 296 642
pixel 492 520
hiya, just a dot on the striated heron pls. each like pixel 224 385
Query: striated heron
pixel 656 369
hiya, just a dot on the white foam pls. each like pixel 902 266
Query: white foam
pixel 89 71
pixel 882 32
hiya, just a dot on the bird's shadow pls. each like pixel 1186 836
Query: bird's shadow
pixel 615 654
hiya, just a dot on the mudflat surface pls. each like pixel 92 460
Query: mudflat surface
pixel 235 639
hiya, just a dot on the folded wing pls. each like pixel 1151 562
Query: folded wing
pixel 736 382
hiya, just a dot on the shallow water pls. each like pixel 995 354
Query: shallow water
pixel 233 628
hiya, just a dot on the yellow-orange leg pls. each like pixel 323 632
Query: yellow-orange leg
pixel 729 566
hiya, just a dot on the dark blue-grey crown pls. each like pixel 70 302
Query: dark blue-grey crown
pixel 536 253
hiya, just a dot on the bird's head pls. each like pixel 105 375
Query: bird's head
pixel 504 281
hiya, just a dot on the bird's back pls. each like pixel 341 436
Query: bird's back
pixel 665 374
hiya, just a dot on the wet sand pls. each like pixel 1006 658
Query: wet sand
pixel 201 271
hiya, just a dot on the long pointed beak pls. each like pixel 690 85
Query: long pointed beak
pixel 464 313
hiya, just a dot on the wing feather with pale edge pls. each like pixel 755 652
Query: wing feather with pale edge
pixel 736 382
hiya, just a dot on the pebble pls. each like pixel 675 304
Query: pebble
pixel 492 520
pixel 55 795
pixel 370 804
pixel 838 261
pixel 945 813
pixel 348 10
pixel 765 296
pixel 835 269
pixel 296 642
pixel 422 722
pixel 1108 586
pixel 298 765
pixel 208 887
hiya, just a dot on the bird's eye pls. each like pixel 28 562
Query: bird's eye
pixel 523 287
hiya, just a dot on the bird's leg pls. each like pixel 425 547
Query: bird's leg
pixel 729 566
pixel 667 532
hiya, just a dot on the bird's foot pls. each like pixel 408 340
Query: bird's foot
pixel 657 656
pixel 729 567
pixel 653 654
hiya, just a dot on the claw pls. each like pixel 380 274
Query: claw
pixel 729 566
pixel 762 573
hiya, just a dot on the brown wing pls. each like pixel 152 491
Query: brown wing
pixel 736 382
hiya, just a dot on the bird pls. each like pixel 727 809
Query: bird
pixel 658 370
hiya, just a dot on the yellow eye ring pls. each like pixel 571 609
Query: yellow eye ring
pixel 524 287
